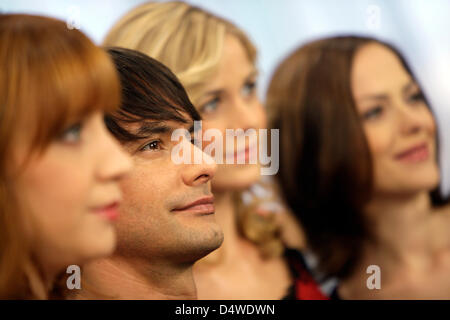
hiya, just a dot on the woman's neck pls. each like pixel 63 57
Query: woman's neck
pixel 402 232
pixel 400 240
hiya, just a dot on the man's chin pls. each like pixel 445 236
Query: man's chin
pixel 202 248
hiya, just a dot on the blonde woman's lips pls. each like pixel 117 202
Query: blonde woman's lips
pixel 241 154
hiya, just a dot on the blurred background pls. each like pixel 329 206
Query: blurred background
pixel 419 28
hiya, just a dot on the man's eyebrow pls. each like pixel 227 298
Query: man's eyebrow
pixel 152 128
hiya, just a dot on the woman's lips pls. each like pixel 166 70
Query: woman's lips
pixel 109 212
pixel 243 154
pixel 202 206
pixel 417 153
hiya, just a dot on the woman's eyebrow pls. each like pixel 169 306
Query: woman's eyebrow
pixel 380 96
pixel 409 86
pixel 253 73
pixel 213 93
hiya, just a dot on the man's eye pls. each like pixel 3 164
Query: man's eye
pixel 192 138
pixel 152 146
pixel 72 134
pixel 373 113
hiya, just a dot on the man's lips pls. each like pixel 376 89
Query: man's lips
pixel 416 153
pixel 203 205
pixel 109 211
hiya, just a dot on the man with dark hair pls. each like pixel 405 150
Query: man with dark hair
pixel 166 220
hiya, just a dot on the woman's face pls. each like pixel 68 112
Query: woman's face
pixel 399 127
pixel 230 101
pixel 70 194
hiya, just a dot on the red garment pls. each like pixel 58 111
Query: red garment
pixel 305 287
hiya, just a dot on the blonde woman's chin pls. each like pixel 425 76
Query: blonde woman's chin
pixel 235 177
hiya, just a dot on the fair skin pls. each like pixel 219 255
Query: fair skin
pixel 410 243
pixel 236 270
pixel 159 239
pixel 68 193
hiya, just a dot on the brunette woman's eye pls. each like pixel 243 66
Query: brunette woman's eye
pixel 72 134
pixel 210 106
pixel 154 145
pixel 373 113
pixel 416 97
pixel 249 88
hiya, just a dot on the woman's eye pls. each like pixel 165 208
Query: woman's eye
pixel 152 146
pixel 210 106
pixel 249 88
pixel 373 113
pixel 417 97
pixel 72 134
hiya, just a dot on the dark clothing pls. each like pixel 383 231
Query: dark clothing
pixel 304 286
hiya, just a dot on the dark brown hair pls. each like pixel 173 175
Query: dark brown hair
pixel 150 91
pixel 325 170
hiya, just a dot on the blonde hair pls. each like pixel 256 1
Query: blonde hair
pixel 50 76
pixel 185 38
pixel 189 40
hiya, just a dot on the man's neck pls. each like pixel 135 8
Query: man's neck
pixel 121 277
pixel 226 218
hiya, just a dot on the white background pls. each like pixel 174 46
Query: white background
pixel 420 28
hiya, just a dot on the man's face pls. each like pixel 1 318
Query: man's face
pixel 156 221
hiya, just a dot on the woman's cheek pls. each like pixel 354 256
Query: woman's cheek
pixel 263 118
pixel 215 125
pixel 431 123
pixel 379 139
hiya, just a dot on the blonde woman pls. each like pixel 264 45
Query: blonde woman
pixel 59 166
pixel 216 63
